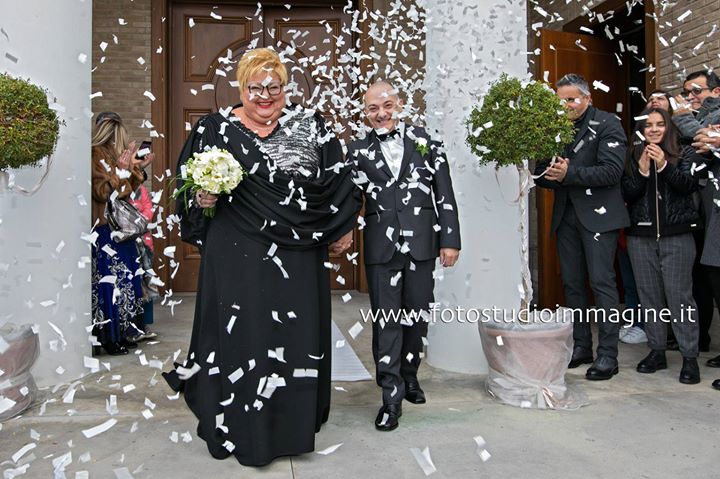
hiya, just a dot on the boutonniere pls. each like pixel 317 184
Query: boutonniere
pixel 421 145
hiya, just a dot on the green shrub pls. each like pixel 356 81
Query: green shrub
pixel 518 121
pixel 29 129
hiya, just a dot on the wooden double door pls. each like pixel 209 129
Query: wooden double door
pixel 206 44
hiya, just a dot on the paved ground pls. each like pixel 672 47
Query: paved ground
pixel 637 426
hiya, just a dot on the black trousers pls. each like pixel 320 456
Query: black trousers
pixel 585 255
pixel 712 273
pixel 705 296
pixel 399 286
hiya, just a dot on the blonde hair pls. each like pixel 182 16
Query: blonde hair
pixel 111 133
pixel 257 61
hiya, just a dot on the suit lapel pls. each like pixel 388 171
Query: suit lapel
pixel 581 132
pixel 407 152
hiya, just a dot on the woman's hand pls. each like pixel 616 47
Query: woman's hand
pixel 656 154
pixel 205 199
pixel 142 163
pixel 127 156
pixel 644 163
pixel 342 244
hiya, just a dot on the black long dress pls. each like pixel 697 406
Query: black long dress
pixel 260 346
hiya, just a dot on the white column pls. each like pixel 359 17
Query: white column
pixel 40 247
pixel 470 43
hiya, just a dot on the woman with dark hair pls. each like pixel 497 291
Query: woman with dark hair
pixel 116 290
pixel 659 99
pixel 658 187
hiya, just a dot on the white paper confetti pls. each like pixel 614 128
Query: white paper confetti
pixel 330 449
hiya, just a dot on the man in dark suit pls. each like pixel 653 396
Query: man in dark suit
pixel 410 219
pixel 587 216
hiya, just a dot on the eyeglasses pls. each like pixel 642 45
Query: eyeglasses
pixel 273 89
pixel 695 91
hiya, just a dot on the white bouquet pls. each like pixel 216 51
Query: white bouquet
pixel 213 170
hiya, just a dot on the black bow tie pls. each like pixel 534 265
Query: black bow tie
pixel 388 135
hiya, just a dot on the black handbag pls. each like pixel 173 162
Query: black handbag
pixel 125 220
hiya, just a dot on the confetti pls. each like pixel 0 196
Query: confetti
pixel 330 449
pixel 423 459
pixel 94 431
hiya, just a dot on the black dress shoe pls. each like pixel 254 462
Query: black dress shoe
pixel 114 349
pixel 714 362
pixel 690 372
pixel 580 356
pixel 655 361
pixel 388 417
pixel 716 384
pixel 602 369
pixel 127 344
pixel 414 393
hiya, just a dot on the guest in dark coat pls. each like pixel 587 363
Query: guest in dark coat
pixel 587 215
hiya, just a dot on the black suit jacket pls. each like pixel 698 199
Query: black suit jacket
pixel 592 183
pixel 420 203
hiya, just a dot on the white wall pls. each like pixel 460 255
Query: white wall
pixel 469 43
pixel 46 37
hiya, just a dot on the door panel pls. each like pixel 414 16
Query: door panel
pixel 204 53
pixel 593 58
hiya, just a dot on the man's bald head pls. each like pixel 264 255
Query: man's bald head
pixel 382 104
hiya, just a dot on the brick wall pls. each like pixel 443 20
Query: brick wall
pixel 680 57
pixel 120 78
pixel 676 59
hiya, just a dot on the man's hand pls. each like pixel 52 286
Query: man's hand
pixel 342 244
pixel 449 256
pixel 682 106
pixel 707 139
pixel 557 170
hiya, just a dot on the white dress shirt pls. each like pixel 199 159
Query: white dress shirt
pixel 393 149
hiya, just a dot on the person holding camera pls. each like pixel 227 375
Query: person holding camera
pixel 116 290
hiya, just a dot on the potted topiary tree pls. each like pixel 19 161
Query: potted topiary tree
pixel 520 121
pixel 29 128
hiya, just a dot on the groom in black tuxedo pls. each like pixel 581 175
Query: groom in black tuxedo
pixel 411 219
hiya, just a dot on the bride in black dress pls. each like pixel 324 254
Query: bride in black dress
pixel 257 374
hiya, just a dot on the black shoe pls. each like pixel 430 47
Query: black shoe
pixel 602 369
pixel 690 372
pixel 414 393
pixel 388 417
pixel 125 342
pixel 714 362
pixel 580 356
pixel 655 361
pixel 114 349
pixel 716 384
